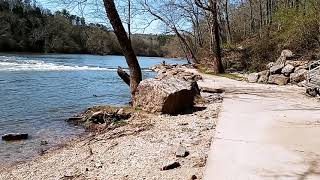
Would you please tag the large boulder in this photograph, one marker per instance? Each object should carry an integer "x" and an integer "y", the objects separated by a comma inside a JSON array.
[
  {"x": 168, "y": 95},
  {"x": 298, "y": 76},
  {"x": 276, "y": 69},
  {"x": 253, "y": 77},
  {"x": 264, "y": 76},
  {"x": 287, "y": 69},
  {"x": 278, "y": 79}
]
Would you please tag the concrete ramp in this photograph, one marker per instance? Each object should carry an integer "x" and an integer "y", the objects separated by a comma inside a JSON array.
[{"x": 265, "y": 132}]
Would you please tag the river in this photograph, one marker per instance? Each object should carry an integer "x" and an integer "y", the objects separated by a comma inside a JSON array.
[{"x": 38, "y": 92}]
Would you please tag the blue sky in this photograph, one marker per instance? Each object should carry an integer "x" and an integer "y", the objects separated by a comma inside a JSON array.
[{"x": 93, "y": 11}]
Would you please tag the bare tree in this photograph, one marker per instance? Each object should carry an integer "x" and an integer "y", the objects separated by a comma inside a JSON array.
[
  {"x": 165, "y": 18},
  {"x": 211, "y": 7},
  {"x": 125, "y": 43},
  {"x": 229, "y": 36}
]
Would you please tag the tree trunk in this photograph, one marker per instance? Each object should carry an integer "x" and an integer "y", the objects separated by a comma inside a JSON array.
[
  {"x": 218, "y": 57},
  {"x": 251, "y": 17},
  {"x": 229, "y": 39},
  {"x": 129, "y": 19},
  {"x": 125, "y": 44},
  {"x": 261, "y": 18}
]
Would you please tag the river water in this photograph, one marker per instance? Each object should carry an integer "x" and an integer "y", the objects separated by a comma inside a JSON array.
[{"x": 38, "y": 92}]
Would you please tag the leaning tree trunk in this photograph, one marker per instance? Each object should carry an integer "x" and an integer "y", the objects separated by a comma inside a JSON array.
[{"x": 125, "y": 44}]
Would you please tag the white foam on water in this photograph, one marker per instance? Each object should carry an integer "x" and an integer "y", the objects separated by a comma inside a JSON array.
[{"x": 7, "y": 64}]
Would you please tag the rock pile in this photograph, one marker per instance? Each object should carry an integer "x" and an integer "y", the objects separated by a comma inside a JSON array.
[
  {"x": 100, "y": 117},
  {"x": 285, "y": 70}
]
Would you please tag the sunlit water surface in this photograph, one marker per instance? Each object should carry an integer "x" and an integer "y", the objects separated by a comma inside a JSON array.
[{"x": 38, "y": 92}]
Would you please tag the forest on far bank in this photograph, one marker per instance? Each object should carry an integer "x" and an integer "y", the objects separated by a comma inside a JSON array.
[
  {"x": 236, "y": 35},
  {"x": 26, "y": 27}
]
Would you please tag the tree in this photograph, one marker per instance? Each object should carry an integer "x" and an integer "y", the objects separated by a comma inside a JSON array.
[
  {"x": 125, "y": 43},
  {"x": 211, "y": 7}
]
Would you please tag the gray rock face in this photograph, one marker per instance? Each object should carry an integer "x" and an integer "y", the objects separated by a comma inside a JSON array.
[
  {"x": 286, "y": 70},
  {"x": 278, "y": 79},
  {"x": 168, "y": 95},
  {"x": 276, "y": 69},
  {"x": 298, "y": 76},
  {"x": 253, "y": 77}
]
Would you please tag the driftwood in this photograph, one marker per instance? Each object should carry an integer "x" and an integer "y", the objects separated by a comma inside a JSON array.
[{"x": 123, "y": 75}]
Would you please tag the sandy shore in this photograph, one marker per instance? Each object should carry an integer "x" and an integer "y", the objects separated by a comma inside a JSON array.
[{"x": 137, "y": 150}]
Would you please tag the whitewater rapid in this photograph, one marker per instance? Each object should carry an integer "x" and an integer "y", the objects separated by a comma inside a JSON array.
[{"x": 9, "y": 64}]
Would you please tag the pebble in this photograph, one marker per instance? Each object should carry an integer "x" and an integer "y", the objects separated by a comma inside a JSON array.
[{"x": 182, "y": 152}]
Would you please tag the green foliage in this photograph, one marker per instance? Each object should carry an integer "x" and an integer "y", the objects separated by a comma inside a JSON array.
[{"x": 298, "y": 30}]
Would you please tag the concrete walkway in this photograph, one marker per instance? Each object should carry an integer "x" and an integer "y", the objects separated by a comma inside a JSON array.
[{"x": 264, "y": 132}]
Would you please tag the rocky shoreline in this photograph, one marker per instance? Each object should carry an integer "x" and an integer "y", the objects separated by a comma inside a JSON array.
[{"x": 128, "y": 143}]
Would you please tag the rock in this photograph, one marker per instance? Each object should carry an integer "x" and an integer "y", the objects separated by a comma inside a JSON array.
[
  {"x": 313, "y": 92},
  {"x": 298, "y": 76},
  {"x": 15, "y": 136},
  {"x": 43, "y": 143},
  {"x": 168, "y": 95},
  {"x": 263, "y": 79},
  {"x": 287, "y": 69},
  {"x": 193, "y": 177},
  {"x": 264, "y": 73},
  {"x": 120, "y": 111},
  {"x": 276, "y": 69},
  {"x": 286, "y": 53},
  {"x": 98, "y": 164},
  {"x": 281, "y": 61},
  {"x": 253, "y": 77},
  {"x": 297, "y": 63},
  {"x": 304, "y": 67},
  {"x": 269, "y": 65},
  {"x": 302, "y": 83},
  {"x": 171, "y": 166},
  {"x": 264, "y": 76},
  {"x": 182, "y": 152},
  {"x": 278, "y": 79}
]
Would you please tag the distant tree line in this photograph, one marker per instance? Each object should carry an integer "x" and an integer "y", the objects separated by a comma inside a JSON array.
[
  {"x": 251, "y": 32},
  {"x": 26, "y": 27}
]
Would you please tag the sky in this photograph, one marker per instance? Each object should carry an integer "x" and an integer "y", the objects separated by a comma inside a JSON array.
[{"x": 93, "y": 12}]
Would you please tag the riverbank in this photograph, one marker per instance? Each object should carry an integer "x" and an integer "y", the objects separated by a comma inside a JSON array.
[
  {"x": 141, "y": 147},
  {"x": 137, "y": 150}
]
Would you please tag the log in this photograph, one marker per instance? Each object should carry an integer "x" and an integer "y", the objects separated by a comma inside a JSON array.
[
  {"x": 123, "y": 75},
  {"x": 15, "y": 136}
]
